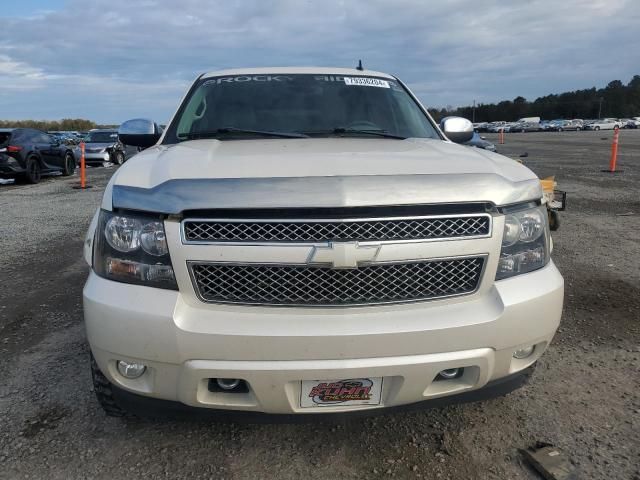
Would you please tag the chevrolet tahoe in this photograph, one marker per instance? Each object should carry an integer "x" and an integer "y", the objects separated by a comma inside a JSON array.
[{"x": 307, "y": 241}]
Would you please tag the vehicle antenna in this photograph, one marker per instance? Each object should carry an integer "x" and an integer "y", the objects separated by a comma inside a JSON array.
[{"x": 359, "y": 67}]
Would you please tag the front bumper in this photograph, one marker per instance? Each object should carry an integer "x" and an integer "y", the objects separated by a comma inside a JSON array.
[
  {"x": 96, "y": 157},
  {"x": 184, "y": 344},
  {"x": 146, "y": 406}
]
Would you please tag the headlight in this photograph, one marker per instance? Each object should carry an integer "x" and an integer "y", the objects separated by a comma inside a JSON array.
[
  {"x": 132, "y": 248},
  {"x": 123, "y": 233},
  {"x": 525, "y": 242}
]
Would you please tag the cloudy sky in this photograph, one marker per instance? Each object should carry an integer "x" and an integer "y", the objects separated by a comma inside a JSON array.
[{"x": 109, "y": 60}]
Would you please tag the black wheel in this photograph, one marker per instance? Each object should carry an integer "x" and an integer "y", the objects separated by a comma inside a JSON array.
[
  {"x": 578, "y": 129},
  {"x": 104, "y": 392},
  {"x": 554, "y": 220},
  {"x": 69, "y": 165},
  {"x": 596, "y": 128},
  {"x": 522, "y": 131},
  {"x": 117, "y": 158},
  {"x": 560, "y": 129},
  {"x": 33, "y": 172}
]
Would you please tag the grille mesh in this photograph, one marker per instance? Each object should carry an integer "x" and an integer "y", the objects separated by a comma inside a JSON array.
[
  {"x": 317, "y": 286},
  {"x": 316, "y": 231}
]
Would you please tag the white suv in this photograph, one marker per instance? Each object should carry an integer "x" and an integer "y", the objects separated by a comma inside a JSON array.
[{"x": 308, "y": 241}]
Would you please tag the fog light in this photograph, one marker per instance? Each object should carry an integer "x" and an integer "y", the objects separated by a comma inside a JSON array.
[
  {"x": 524, "y": 352},
  {"x": 228, "y": 383},
  {"x": 449, "y": 373},
  {"x": 131, "y": 370}
]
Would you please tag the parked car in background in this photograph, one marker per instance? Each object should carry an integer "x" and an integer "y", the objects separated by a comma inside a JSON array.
[
  {"x": 480, "y": 126},
  {"x": 553, "y": 124},
  {"x": 104, "y": 146},
  {"x": 606, "y": 124},
  {"x": 568, "y": 125},
  {"x": 511, "y": 127},
  {"x": 633, "y": 123},
  {"x": 26, "y": 154},
  {"x": 544, "y": 125},
  {"x": 66, "y": 138},
  {"x": 526, "y": 127},
  {"x": 529, "y": 120},
  {"x": 480, "y": 142},
  {"x": 496, "y": 127}
]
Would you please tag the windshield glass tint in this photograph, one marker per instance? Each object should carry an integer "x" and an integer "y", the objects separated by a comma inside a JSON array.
[
  {"x": 315, "y": 105},
  {"x": 102, "y": 137}
]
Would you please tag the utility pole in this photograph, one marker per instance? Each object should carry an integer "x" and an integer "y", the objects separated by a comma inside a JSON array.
[
  {"x": 473, "y": 114},
  {"x": 600, "y": 109}
]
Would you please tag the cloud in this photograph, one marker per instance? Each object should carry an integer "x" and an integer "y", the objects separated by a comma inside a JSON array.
[
  {"x": 113, "y": 59},
  {"x": 16, "y": 75}
]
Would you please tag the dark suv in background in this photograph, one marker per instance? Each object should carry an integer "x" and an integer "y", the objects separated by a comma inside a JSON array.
[
  {"x": 103, "y": 146},
  {"x": 26, "y": 154}
]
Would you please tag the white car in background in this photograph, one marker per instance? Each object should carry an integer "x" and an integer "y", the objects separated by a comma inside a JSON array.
[
  {"x": 606, "y": 124},
  {"x": 496, "y": 127}
]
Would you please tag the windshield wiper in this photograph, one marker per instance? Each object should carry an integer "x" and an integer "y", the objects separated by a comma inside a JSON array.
[
  {"x": 225, "y": 130},
  {"x": 357, "y": 131}
]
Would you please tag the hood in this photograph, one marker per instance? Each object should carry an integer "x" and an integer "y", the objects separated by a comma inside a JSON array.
[{"x": 300, "y": 170}]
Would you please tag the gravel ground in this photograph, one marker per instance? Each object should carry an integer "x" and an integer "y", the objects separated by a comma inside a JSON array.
[{"x": 583, "y": 398}]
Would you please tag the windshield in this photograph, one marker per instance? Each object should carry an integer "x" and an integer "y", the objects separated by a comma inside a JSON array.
[
  {"x": 241, "y": 107},
  {"x": 102, "y": 137}
]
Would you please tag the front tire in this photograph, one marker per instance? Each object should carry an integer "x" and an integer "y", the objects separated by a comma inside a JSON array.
[
  {"x": 104, "y": 392},
  {"x": 554, "y": 220},
  {"x": 118, "y": 158},
  {"x": 69, "y": 165},
  {"x": 596, "y": 128}
]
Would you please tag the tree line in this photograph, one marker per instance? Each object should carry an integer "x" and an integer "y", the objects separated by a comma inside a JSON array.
[
  {"x": 66, "y": 124},
  {"x": 616, "y": 100}
]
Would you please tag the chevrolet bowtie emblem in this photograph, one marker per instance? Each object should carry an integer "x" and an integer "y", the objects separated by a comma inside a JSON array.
[{"x": 344, "y": 254}]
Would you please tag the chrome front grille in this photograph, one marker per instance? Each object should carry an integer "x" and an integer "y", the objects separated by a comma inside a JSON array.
[
  {"x": 322, "y": 286},
  {"x": 362, "y": 230}
]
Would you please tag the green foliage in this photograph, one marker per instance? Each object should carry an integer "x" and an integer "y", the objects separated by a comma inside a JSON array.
[
  {"x": 72, "y": 124},
  {"x": 616, "y": 99}
]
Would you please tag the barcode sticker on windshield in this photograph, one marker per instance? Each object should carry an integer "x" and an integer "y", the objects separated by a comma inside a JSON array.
[{"x": 366, "y": 82}]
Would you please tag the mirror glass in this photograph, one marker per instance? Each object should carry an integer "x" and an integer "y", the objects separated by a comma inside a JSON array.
[
  {"x": 139, "y": 132},
  {"x": 457, "y": 129}
]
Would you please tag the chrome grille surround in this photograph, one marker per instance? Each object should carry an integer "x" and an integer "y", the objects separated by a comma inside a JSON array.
[
  {"x": 423, "y": 228},
  {"x": 318, "y": 286}
]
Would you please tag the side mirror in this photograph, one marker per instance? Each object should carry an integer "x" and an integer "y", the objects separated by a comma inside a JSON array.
[
  {"x": 139, "y": 132},
  {"x": 457, "y": 129}
]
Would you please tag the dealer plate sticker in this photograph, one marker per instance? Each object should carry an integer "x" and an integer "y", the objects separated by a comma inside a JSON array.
[
  {"x": 366, "y": 82},
  {"x": 341, "y": 393}
]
